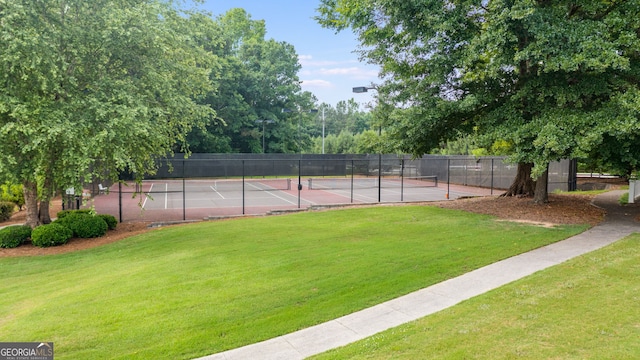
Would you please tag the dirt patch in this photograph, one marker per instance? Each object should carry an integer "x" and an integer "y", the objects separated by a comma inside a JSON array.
[
  {"x": 561, "y": 209},
  {"x": 535, "y": 223},
  {"x": 123, "y": 230}
]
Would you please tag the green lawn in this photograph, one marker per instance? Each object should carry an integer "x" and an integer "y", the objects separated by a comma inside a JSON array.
[
  {"x": 587, "y": 308},
  {"x": 188, "y": 291}
]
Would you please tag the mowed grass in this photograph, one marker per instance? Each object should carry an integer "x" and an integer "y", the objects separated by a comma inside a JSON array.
[
  {"x": 587, "y": 308},
  {"x": 187, "y": 291}
]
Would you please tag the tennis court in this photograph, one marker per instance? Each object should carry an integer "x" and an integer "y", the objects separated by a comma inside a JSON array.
[
  {"x": 196, "y": 199},
  {"x": 220, "y": 185}
]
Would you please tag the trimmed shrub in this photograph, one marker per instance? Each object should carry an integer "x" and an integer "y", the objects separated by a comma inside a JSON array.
[
  {"x": 111, "y": 221},
  {"x": 62, "y": 214},
  {"x": 90, "y": 227},
  {"x": 84, "y": 225},
  {"x": 13, "y": 236},
  {"x": 64, "y": 221},
  {"x": 6, "y": 210},
  {"x": 69, "y": 219},
  {"x": 50, "y": 235}
]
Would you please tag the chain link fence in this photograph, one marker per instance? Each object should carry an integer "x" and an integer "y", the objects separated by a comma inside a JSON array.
[{"x": 220, "y": 185}]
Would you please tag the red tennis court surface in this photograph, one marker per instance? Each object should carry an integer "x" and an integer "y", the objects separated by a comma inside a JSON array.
[{"x": 178, "y": 200}]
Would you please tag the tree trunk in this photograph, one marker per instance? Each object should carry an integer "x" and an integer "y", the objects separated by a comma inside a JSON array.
[
  {"x": 43, "y": 212},
  {"x": 47, "y": 194},
  {"x": 31, "y": 203},
  {"x": 541, "y": 194},
  {"x": 522, "y": 185}
]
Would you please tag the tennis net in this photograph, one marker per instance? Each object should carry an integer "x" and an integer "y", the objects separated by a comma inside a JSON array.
[
  {"x": 371, "y": 182},
  {"x": 279, "y": 184}
]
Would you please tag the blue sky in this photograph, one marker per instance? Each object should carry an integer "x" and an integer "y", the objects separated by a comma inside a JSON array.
[{"x": 330, "y": 68}]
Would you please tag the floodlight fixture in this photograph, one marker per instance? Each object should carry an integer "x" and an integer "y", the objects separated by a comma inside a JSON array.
[{"x": 360, "y": 89}]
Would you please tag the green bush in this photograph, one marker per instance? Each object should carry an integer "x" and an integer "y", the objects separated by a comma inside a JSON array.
[
  {"x": 12, "y": 193},
  {"x": 50, "y": 235},
  {"x": 90, "y": 227},
  {"x": 111, "y": 221},
  {"x": 13, "y": 236},
  {"x": 83, "y": 225},
  {"x": 69, "y": 218},
  {"x": 6, "y": 210},
  {"x": 62, "y": 214}
]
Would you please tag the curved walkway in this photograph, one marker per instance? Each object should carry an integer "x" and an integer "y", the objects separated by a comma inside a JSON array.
[{"x": 618, "y": 223}]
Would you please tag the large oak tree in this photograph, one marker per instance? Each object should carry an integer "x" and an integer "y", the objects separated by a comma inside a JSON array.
[
  {"x": 556, "y": 79},
  {"x": 91, "y": 88}
]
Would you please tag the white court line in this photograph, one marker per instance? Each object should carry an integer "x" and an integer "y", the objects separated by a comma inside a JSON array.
[
  {"x": 342, "y": 193},
  {"x": 356, "y": 195},
  {"x": 216, "y": 191},
  {"x": 146, "y": 196},
  {"x": 274, "y": 195}
]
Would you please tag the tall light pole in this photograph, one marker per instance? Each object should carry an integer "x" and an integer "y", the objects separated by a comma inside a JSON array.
[
  {"x": 299, "y": 147},
  {"x": 323, "y": 130},
  {"x": 311, "y": 111},
  {"x": 263, "y": 121},
  {"x": 360, "y": 90}
]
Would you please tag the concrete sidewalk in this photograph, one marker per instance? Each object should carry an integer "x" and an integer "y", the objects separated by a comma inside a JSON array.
[{"x": 347, "y": 329}]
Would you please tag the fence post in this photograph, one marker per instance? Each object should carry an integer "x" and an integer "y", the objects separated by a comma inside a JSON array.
[
  {"x": 242, "y": 187},
  {"x": 492, "y": 176},
  {"x": 352, "y": 165},
  {"x": 448, "y": 177},
  {"x": 299, "y": 180},
  {"x": 184, "y": 193},
  {"x": 380, "y": 176},
  {"x": 402, "y": 180},
  {"x": 120, "y": 200}
]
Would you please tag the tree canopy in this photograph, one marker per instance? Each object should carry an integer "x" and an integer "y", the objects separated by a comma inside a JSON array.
[
  {"x": 555, "y": 79},
  {"x": 258, "y": 78},
  {"x": 94, "y": 88}
]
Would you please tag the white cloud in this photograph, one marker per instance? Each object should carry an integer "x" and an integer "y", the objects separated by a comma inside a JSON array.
[
  {"x": 343, "y": 68},
  {"x": 350, "y": 71},
  {"x": 332, "y": 81},
  {"x": 308, "y": 60},
  {"x": 339, "y": 71},
  {"x": 317, "y": 83},
  {"x": 357, "y": 73}
]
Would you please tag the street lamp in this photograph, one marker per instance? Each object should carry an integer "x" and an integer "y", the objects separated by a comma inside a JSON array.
[
  {"x": 363, "y": 89},
  {"x": 360, "y": 90},
  {"x": 263, "y": 121}
]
